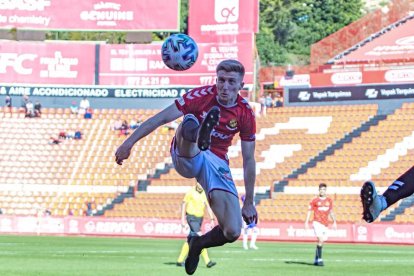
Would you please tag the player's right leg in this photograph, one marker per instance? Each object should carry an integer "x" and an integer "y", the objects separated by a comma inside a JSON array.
[
  {"x": 372, "y": 203},
  {"x": 206, "y": 128}
]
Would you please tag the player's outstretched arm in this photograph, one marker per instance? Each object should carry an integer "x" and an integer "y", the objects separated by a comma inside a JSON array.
[
  {"x": 165, "y": 116},
  {"x": 249, "y": 212}
]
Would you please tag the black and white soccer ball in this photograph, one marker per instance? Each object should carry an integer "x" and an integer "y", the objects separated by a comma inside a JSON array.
[{"x": 179, "y": 52}]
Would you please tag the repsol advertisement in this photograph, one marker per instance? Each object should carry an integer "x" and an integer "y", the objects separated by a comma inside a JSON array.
[
  {"x": 93, "y": 91},
  {"x": 351, "y": 93}
]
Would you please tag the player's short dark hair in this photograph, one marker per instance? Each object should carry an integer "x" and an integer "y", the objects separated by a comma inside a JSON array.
[
  {"x": 231, "y": 65},
  {"x": 322, "y": 185}
]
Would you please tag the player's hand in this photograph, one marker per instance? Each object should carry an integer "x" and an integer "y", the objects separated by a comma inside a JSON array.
[
  {"x": 122, "y": 153},
  {"x": 183, "y": 222},
  {"x": 306, "y": 226},
  {"x": 249, "y": 213},
  {"x": 334, "y": 226}
]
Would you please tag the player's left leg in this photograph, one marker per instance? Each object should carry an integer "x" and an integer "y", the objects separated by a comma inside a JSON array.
[
  {"x": 321, "y": 232},
  {"x": 226, "y": 208},
  {"x": 318, "y": 253}
]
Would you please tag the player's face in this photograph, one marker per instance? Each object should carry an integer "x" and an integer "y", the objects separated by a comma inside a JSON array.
[
  {"x": 228, "y": 86},
  {"x": 322, "y": 191}
]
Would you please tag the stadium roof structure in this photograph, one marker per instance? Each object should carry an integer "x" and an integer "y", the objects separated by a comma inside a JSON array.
[{"x": 396, "y": 45}]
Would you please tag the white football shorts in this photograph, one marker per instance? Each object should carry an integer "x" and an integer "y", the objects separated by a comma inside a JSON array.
[{"x": 212, "y": 172}]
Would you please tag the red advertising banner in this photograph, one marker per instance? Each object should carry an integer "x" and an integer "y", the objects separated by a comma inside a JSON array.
[
  {"x": 362, "y": 77},
  {"x": 346, "y": 78},
  {"x": 51, "y": 63},
  {"x": 222, "y": 21},
  {"x": 141, "y": 64},
  {"x": 396, "y": 44},
  {"x": 169, "y": 228},
  {"x": 127, "y": 15}
]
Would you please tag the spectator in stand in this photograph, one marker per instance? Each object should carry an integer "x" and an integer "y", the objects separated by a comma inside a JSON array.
[
  {"x": 78, "y": 135},
  {"x": 74, "y": 108},
  {"x": 84, "y": 105},
  {"x": 8, "y": 104},
  {"x": 117, "y": 124},
  {"x": 279, "y": 101},
  {"x": 25, "y": 100},
  {"x": 124, "y": 128},
  {"x": 134, "y": 123},
  {"x": 88, "y": 114},
  {"x": 268, "y": 101},
  {"x": 262, "y": 101},
  {"x": 38, "y": 109},
  {"x": 30, "y": 111},
  {"x": 54, "y": 141}
]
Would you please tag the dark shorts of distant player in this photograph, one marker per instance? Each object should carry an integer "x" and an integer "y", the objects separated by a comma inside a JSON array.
[
  {"x": 212, "y": 172},
  {"x": 195, "y": 225}
]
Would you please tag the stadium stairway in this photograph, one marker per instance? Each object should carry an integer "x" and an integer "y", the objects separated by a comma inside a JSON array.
[
  {"x": 118, "y": 200},
  {"x": 280, "y": 185},
  {"x": 404, "y": 205}
]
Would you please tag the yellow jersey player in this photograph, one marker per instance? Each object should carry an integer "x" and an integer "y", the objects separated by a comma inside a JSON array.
[{"x": 192, "y": 211}]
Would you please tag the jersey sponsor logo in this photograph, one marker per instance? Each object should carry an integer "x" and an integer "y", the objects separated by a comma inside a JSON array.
[
  {"x": 323, "y": 208},
  {"x": 232, "y": 125},
  {"x": 219, "y": 135},
  {"x": 225, "y": 173}
]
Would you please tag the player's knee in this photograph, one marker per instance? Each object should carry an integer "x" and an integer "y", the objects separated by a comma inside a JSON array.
[{"x": 232, "y": 234}]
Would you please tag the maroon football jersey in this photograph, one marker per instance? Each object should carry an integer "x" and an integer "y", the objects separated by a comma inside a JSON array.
[{"x": 238, "y": 118}]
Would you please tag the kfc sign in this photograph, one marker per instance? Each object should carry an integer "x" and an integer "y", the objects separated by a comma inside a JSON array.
[
  {"x": 51, "y": 63},
  {"x": 20, "y": 64}
]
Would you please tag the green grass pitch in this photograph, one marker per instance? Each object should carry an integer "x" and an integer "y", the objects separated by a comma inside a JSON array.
[{"x": 32, "y": 255}]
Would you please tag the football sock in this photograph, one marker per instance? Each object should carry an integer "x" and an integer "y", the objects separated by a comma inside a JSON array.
[
  {"x": 245, "y": 237},
  {"x": 213, "y": 238},
  {"x": 400, "y": 188},
  {"x": 318, "y": 254},
  {"x": 184, "y": 252},
  {"x": 204, "y": 254},
  {"x": 254, "y": 237},
  {"x": 190, "y": 128}
]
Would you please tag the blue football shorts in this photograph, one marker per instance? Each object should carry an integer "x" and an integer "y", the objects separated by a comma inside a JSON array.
[{"x": 212, "y": 172}]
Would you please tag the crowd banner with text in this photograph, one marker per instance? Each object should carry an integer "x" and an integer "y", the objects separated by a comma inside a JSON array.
[
  {"x": 171, "y": 228},
  {"x": 130, "y": 65},
  {"x": 141, "y": 64},
  {"x": 91, "y": 15},
  {"x": 93, "y": 91},
  {"x": 351, "y": 93},
  {"x": 223, "y": 21}
]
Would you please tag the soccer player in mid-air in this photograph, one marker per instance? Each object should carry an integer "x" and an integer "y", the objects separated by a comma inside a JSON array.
[
  {"x": 373, "y": 204},
  {"x": 322, "y": 207},
  {"x": 192, "y": 212},
  {"x": 213, "y": 115}
]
